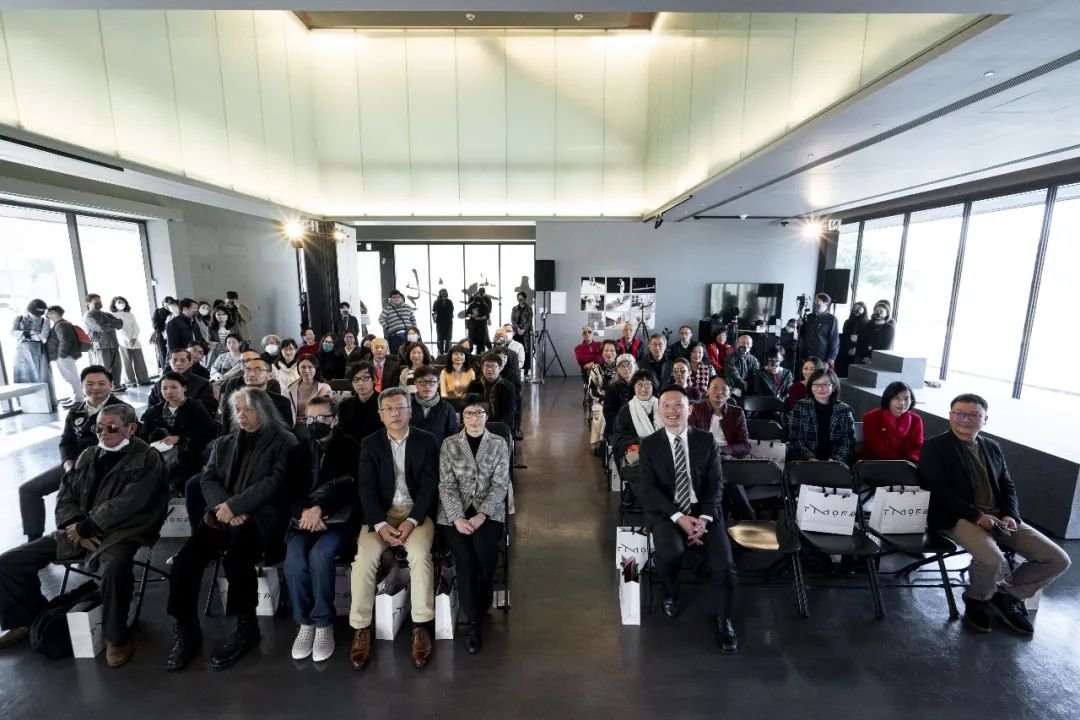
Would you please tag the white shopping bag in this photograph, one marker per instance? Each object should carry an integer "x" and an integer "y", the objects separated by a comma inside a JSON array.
[
  {"x": 342, "y": 589},
  {"x": 1032, "y": 603},
  {"x": 826, "y": 510},
  {"x": 391, "y": 603},
  {"x": 631, "y": 542},
  {"x": 86, "y": 629},
  {"x": 900, "y": 510},
  {"x": 768, "y": 450},
  {"x": 176, "y": 523},
  {"x": 446, "y": 605},
  {"x": 269, "y": 589},
  {"x": 630, "y": 593},
  {"x": 616, "y": 479}
]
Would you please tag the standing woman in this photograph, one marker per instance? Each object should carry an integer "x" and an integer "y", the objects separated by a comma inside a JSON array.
[
  {"x": 878, "y": 334},
  {"x": 202, "y": 323},
  {"x": 474, "y": 477},
  {"x": 849, "y": 337},
  {"x": 822, "y": 427},
  {"x": 893, "y": 431},
  {"x": 801, "y": 389},
  {"x": 220, "y": 328},
  {"x": 442, "y": 312},
  {"x": 30, "y": 331},
  {"x": 130, "y": 347},
  {"x": 700, "y": 371},
  {"x": 308, "y": 386},
  {"x": 284, "y": 368},
  {"x": 331, "y": 361}
]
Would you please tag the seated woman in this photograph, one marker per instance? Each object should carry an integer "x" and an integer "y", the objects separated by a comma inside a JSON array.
[
  {"x": 227, "y": 365},
  {"x": 587, "y": 352},
  {"x": 719, "y": 350},
  {"x": 285, "y": 369},
  {"x": 308, "y": 345},
  {"x": 725, "y": 420},
  {"x": 322, "y": 476},
  {"x": 308, "y": 386},
  {"x": 416, "y": 356},
  {"x": 619, "y": 391},
  {"x": 456, "y": 377},
  {"x": 331, "y": 363},
  {"x": 271, "y": 345},
  {"x": 893, "y": 431},
  {"x": 358, "y": 416},
  {"x": 700, "y": 371},
  {"x": 800, "y": 390},
  {"x": 680, "y": 375},
  {"x": 601, "y": 375},
  {"x": 822, "y": 427},
  {"x": 365, "y": 346},
  {"x": 184, "y": 425},
  {"x": 628, "y": 344},
  {"x": 412, "y": 335},
  {"x": 351, "y": 353},
  {"x": 474, "y": 477},
  {"x": 638, "y": 418},
  {"x": 773, "y": 379}
]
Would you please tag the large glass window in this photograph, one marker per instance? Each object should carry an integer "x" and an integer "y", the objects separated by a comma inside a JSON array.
[
  {"x": 999, "y": 258},
  {"x": 929, "y": 265},
  {"x": 370, "y": 291},
  {"x": 411, "y": 278},
  {"x": 112, "y": 255},
  {"x": 482, "y": 271},
  {"x": 449, "y": 261},
  {"x": 847, "y": 246},
  {"x": 1052, "y": 353},
  {"x": 880, "y": 260},
  {"x": 517, "y": 276}
]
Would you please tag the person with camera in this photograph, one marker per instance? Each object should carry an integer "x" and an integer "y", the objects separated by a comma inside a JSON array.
[{"x": 477, "y": 318}]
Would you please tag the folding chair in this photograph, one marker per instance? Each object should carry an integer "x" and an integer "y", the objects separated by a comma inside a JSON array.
[
  {"x": 767, "y": 406},
  {"x": 927, "y": 547},
  {"x": 858, "y": 544},
  {"x": 768, "y": 430},
  {"x": 502, "y": 567},
  {"x": 76, "y": 566},
  {"x": 629, "y": 507},
  {"x": 773, "y": 536}
]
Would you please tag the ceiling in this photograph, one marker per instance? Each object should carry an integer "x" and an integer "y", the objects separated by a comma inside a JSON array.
[
  {"x": 347, "y": 20},
  {"x": 584, "y": 6}
]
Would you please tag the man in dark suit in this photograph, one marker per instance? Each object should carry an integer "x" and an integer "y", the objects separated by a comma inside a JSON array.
[
  {"x": 496, "y": 390},
  {"x": 387, "y": 370},
  {"x": 973, "y": 501},
  {"x": 198, "y": 389},
  {"x": 345, "y": 323},
  {"x": 679, "y": 488},
  {"x": 656, "y": 361},
  {"x": 398, "y": 487},
  {"x": 180, "y": 331}
]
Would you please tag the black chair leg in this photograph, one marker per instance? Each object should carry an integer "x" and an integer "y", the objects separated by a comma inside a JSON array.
[
  {"x": 946, "y": 583},
  {"x": 67, "y": 574},
  {"x": 800, "y": 586},
  {"x": 875, "y": 588},
  {"x": 213, "y": 582},
  {"x": 140, "y": 591}
]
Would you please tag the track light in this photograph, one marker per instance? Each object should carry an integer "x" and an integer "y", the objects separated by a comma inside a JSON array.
[{"x": 659, "y": 221}]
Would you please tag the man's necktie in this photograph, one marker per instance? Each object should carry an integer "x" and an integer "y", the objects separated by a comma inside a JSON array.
[{"x": 682, "y": 479}]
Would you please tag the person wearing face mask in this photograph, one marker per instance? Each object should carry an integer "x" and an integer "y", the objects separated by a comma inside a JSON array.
[
  {"x": 240, "y": 312},
  {"x": 203, "y": 317},
  {"x": 271, "y": 345},
  {"x": 221, "y": 326},
  {"x": 365, "y": 346},
  {"x": 429, "y": 411},
  {"x": 442, "y": 312},
  {"x": 820, "y": 333},
  {"x": 346, "y": 322},
  {"x": 331, "y": 361},
  {"x": 62, "y": 347},
  {"x": 106, "y": 348},
  {"x": 477, "y": 319},
  {"x": 822, "y": 427},
  {"x": 681, "y": 348},
  {"x": 412, "y": 335},
  {"x": 878, "y": 334},
  {"x": 358, "y": 416},
  {"x": 323, "y": 520},
  {"x": 395, "y": 318},
  {"x": 284, "y": 368},
  {"x": 112, "y": 502},
  {"x": 180, "y": 329},
  {"x": 893, "y": 431},
  {"x": 741, "y": 367},
  {"x": 849, "y": 338},
  {"x": 185, "y": 426},
  {"x": 773, "y": 379},
  {"x": 169, "y": 309},
  {"x": 78, "y": 434},
  {"x": 130, "y": 347},
  {"x": 31, "y": 330}
]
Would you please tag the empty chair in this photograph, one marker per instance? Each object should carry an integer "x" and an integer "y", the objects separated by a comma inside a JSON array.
[{"x": 760, "y": 429}]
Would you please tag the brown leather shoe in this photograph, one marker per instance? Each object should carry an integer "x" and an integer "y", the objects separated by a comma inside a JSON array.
[
  {"x": 117, "y": 655},
  {"x": 360, "y": 650},
  {"x": 421, "y": 647},
  {"x": 13, "y": 636}
]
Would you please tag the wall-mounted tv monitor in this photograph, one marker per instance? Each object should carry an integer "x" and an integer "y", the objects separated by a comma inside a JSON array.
[{"x": 754, "y": 301}]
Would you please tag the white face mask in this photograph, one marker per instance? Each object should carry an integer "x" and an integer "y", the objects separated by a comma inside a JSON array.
[
  {"x": 118, "y": 448},
  {"x": 412, "y": 337},
  {"x": 272, "y": 349},
  {"x": 121, "y": 306}
]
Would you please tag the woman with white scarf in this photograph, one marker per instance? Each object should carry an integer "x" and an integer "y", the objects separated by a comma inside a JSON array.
[{"x": 639, "y": 418}]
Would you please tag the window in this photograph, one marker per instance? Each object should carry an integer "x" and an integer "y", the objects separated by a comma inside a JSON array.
[
  {"x": 450, "y": 276},
  {"x": 482, "y": 271},
  {"x": 411, "y": 278},
  {"x": 846, "y": 247},
  {"x": 516, "y": 263},
  {"x": 999, "y": 257},
  {"x": 880, "y": 260},
  {"x": 112, "y": 256},
  {"x": 929, "y": 266},
  {"x": 370, "y": 292}
]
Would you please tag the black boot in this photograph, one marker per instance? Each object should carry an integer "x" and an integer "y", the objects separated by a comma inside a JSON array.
[
  {"x": 725, "y": 636},
  {"x": 243, "y": 638},
  {"x": 977, "y": 615},
  {"x": 187, "y": 639},
  {"x": 472, "y": 638}
]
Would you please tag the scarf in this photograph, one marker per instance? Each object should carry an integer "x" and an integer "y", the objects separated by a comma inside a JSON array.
[
  {"x": 427, "y": 404},
  {"x": 640, "y": 412}
]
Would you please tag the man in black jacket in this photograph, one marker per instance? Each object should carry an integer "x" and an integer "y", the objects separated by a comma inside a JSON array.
[
  {"x": 169, "y": 308},
  {"x": 496, "y": 390},
  {"x": 180, "y": 331},
  {"x": 78, "y": 435},
  {"x": 973, "y": 501},
  {"x": 358, "y": 416},
  {"x": 346, "y": 322},
  {"x": 256, "y": 375},
  {"x": 656, "y": 361},
  {"x": 198, "y": 389},
  {"x": 429, "y": 411},
  {"x": 112, "y": 502},
  {"x": 62, "y": 347},
  {"x": 820, "y": 332},
  {"x": 679, "y": 488},
  {"x": 399, "y": 486}
]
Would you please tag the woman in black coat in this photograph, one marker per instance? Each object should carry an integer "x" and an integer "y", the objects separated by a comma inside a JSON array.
[
  {"x": 183, "y": 424},
  {"x": 849, "y": 337},
  {"x": 878, "y": 334}
]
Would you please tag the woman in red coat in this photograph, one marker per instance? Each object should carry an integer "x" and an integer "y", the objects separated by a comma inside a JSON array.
[
  {"x": 719, "y": 350},
  {"x": 893, "y": 431}
]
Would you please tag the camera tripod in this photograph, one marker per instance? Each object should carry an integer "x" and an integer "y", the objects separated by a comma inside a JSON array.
[{"x": 543, "y": 342}]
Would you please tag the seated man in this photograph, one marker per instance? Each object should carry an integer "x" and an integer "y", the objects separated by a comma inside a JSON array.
[
  {"x": 496, "y": 391},
  {"x": 399, "y": 486},
  {"x": 235, "y": 383},
  {"x": 198, "y": 389},
  {"x": 112, "y": 502},
  {"x": 78, "y": 435},
  {"x": 242, "y": 484},
  {"x": 656, "y": 361},
  {"x": 973, "y": 501},
  {"x": 198, "y": 354},
  {"x": 505, "y": 338},
  {"x": 387, "y": 370},
  {"x": 183, "y": 425},
  {"x": 678, "y": 487},
  {"x": 740, "y": 368},
  {"x": 429, "y": 411},
  {"x": 358, "y": 416},
  {"x": 681, "y": 348}
]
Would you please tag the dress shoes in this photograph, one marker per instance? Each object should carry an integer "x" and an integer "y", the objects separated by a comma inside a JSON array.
[
  {"x": 14, "y": 636},
  {"x": 725, "y": 637},
  {"x": 671, "y": 607},
  {"x": 472, "y": 638},
  {"x": 421, "y": 647},
  {"x": 241, "y": 640},
  {"x": 187, "y": 639},
  {"x": 117, "y": 655},
  {"x": 360, "y": 650}
]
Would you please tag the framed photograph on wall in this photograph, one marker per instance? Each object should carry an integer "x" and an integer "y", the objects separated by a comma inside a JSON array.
[
  {"x": 643, "y": 285},
  {"x": 593, "y": 285},
  {"x": 592, "y": 302},
  {"x": 618, "y": 285}
]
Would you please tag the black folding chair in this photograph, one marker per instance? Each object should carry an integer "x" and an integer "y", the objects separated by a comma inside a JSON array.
[
  {"x": 858, "y": 544},
  {"x": 630, "y": 509},
  {"x": 767, "y": 430},
  {"x": 502, "y": 567},
  {"x": 767, "y": 405},
  {"x": 773, "y": 536},
  {"x": 76, "y": 566},
  {"x": 927, "y": 547}
]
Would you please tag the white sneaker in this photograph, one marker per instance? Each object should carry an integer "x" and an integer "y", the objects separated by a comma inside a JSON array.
[
  {"x": 324, "y": 644},
  {"x": 301, "y": 646}
]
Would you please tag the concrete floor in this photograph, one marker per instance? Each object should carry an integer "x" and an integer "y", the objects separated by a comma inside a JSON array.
[{"x": 561, "y": 651}]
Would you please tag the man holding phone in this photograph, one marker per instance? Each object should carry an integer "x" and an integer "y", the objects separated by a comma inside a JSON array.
[{"x": 973, "y": 501}]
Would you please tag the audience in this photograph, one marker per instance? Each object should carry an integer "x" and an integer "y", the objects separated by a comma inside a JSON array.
[
  {"x": 700, "y": 371},
  {"x": 719, "y": 351},
  {"x": 285, "y": 367},
  {"x": 800, "y": 390},
  {"x": 308, "y": 386},
  {"x": 227, "y": 363},
  {"x": 820, "y": 333},
  {"x": 198, "y": 356},
  {"x": 429, "y": 411},
  {"x": 198, "y": 389},
  {"x": 741, "y": 368},
  {"x": 102, "y": 328},
  {"x": 726, "y": 421},
  {"x": 412, "y": 336},
  {"x": 680, "y": 375},
  {"x": 628, "y": 344},
  {"x": 351, "y": 353},
  {"x": 442, "y": 312},
  {"x": 601, "y": 375},
  {"x": 387, "y": 372},
  {"x": 878, "y": 334},
  {"x": 496, "y": 391},
  {"x": 504, "y": 338},
  {"x": 308, "y": 344},
  {"x": 358, "y": 416},
  {"x": 416, "y": 357},
  {"x": 184, "y": 426},
  {"x": 521, "y": 327},
  {"x": 639, "y": 417},
  {"x": 128, "y": 339},
  {"x": 822, "y": 427},
  {"x": 331, "y": 361},
  {"x": 62, "y": 347},
  {"x": 656, "y": 359},
  {"x": 346, "y": 322},
  {"x": 773, "y": 379},
  {"x": 619, "y": 391},
  {"x": 893, "y": 431},
  {"x": 681, "y": 348}
]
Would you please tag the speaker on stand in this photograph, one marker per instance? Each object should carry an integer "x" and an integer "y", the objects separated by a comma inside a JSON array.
[
  {"x": 837, "y": 283},
  {"x": 544, "y": 277}
]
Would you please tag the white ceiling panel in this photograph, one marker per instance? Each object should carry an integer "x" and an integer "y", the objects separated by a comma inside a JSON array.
[
  {"x": 480, "y": 78},
  {"x": 274, "y": 91},
  {"x": 530, "y": 122},
  {"x": 433, "y": 120},
  {"x": 337, "y": 132},
  {"x": 580, "y": 63},
  {"x": 9, "y": 109},
  {"x": 625, "y": 133},
  {"x": 243, "y": 101},
  {"x": 384, "y": 121}
]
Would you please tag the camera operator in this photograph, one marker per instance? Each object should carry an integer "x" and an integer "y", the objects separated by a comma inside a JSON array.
[
  {"x": 820, "y": 332},
  {"x": 477, "y": 318}
]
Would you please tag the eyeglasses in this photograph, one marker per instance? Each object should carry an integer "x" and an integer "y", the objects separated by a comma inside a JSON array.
[
  {"x": 427, "y": 383},
  {"x": 362, "y": 378},
  {"x": 966, "y": 415},
  {"x": 822, "y": 385},
  {"x": 255, "y": 370},
  {"x": 474, "y": 414},
  {"x": 110, "y": 428}
]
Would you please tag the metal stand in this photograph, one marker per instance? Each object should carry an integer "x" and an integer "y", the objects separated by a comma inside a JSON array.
[
  {"x": 540, "y": 356},
  {"x": 642, "y": 330}
]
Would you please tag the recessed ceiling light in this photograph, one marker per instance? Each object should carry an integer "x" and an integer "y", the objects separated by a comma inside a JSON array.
[
  {"x": 877, "y": 124},
  {"x": 470, "y": 16},
  {"x": 989, "y": 74},
  {"x": 578, "y": 17},
  {"x": 743, "y": 216}
]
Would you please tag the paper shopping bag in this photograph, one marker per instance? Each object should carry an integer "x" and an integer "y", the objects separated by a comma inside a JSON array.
[
  {"x": 86, "y": 629},
  {"x": 631, "y": 542},
  {"x": 769, "y": 450},
  {"x": 176, "y": 523},
  {"x": 630, "y": 593},
  {"x": 269, "y": 590},
  {"x": 900, "y": 510},
  {"x": 342, "y": 589},
  {"x": 391, "y": 603},
  {"x": 827, "y": 511},
  {"x": 446, "y": 604},
  {"x": 616, "y": 478}
]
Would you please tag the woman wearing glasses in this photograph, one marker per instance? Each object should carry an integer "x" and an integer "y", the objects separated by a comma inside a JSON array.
[
  {"x": 474, "y": 476},
  {"x": 822, "y": 427}
]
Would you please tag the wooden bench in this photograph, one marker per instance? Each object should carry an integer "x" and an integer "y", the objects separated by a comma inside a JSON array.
[{"x": 33, "y": 397}]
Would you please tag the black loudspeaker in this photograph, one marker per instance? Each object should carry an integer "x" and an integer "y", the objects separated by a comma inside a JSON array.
[
  {"x": 544, "y": 277},
  {"x": 837, "y": 283}
]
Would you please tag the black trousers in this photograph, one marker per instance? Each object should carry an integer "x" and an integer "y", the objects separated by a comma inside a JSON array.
[
  {"x": 194, "y": 501},
  {"x": 478, "y": 336},
  {"x": 32, "y": 500},
  {"x": 20, "y": 587},
  {"x": 475, "y": 558},
  {"x": 670, "y": 542},
  {"x": 526, "y": 342},
  {"x": 443, "y": 335},
  {"x": 242, "y": 547}
]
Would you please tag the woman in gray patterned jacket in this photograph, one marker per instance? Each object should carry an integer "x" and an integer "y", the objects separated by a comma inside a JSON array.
[{"x": 474, "y": 476}]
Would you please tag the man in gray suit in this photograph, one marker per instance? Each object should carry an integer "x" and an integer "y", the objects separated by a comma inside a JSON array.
[{"x": 102, "y": 327}]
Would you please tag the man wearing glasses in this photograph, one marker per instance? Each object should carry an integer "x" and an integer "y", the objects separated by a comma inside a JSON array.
[
  {"x": 429, "y": 411},
  {"x": 973, "y": 501},
  {"x": 398, "y": 486},
  {"x": 112, "y": 501}
]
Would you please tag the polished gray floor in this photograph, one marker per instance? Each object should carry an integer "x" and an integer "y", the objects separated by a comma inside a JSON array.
[{"x": 561, "y": 651}]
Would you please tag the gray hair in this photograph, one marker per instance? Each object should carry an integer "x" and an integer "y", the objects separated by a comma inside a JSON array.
[
  {"x": 260, "y": 402},
  {"x": 392, "y": 393},
  {"x": 266, "y": 340},
  {"x": 122, "y": 412}
]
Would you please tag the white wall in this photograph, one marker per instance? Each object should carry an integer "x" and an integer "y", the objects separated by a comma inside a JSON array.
[{"x": 685, "y": 258}]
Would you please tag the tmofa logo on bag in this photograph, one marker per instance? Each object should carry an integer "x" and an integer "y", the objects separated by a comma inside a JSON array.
[
  {"x": 904, "y": 512},
  {"x": 828, "y": 513}
]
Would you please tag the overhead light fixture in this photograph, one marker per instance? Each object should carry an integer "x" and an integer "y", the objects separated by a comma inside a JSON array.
[
  {"x": 989, "y": 74},
  {"x": 339, "y": 235},
  {"x": 579, "y": 17},
  {"x": 294, "y": 232},
  {"x": 743, "y": 216},
  {"x": 470, "y": 16},
  {"x": 659, "y": 221},
  {"x": 812, "y": 228},
  {"x": 659, "y": 212}
]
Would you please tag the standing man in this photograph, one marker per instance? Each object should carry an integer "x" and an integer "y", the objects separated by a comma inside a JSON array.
[
  {"x": 180, "y": 330},
  {"x": 395, "y": 319},
  {"x": 973, "y": 501},
  {"x": 442, "y": 312},
  {"x": 346, "y": 322},
  {"x": 521, "y": 320},
  {"x": 169, "y": 309},
  {"x": 399, "y": 485},
  {"x": 679, "y": 488},
  {"x": 103, "y": 327},
  {"x": 740, "y": 368},
  {"x": 241, "y": 315},
  {"x": 820, "y": 334},
  {"x": 477, "y": 318},
  {"x": 62, "y": 347}
]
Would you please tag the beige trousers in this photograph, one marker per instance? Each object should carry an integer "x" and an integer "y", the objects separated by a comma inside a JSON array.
[{"x": 370, "y": 547}]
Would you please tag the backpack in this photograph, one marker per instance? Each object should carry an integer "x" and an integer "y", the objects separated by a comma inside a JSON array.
[
  {"x": 84, "y": 340},
  {"x": 49, "y": 632}
]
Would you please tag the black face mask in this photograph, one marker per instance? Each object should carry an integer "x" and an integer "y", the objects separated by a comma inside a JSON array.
[{"x": 319, "y": 431}]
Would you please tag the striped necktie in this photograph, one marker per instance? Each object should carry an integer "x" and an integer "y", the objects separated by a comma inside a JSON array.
[{"x": 682, "y": 479}]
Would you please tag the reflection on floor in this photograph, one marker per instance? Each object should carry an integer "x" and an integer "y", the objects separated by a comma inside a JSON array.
[{"x": 561, "y": 651}]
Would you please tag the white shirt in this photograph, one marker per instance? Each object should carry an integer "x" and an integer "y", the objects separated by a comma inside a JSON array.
[
  {"x": 717, "y": 431},
  {"x": 518, "y": 349},
  {"x": 684, "y": 436},
  {"x": 402, "y": 498}
]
